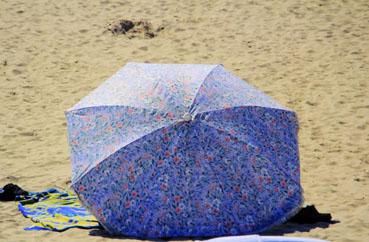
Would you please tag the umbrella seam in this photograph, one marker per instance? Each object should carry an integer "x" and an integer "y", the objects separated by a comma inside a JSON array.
[
  {"x": 291, "y": 213},
  {"x": 215, "y": 173},
  {"x": 243, "y": 106},
  {"x": 89, "y": 170},
  {"x": 103, "y": 84},
  {"x": 74, "y": 112},
  {"x": 201, "y": 84},
  {"x": 242, "y": 141},
  {"x": 220, "y": 65},
  {"x": 107, "y": 106}
]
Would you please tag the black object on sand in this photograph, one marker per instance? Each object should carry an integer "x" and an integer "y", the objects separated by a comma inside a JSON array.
[
  {"x": 310, "y": 215},
  {"x": 10, "y": 192}
]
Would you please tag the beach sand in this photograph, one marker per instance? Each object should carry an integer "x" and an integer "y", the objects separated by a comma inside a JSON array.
[{"x": 312, "y": 56}]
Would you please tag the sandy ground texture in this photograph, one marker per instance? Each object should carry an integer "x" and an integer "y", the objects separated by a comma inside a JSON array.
[{"x": 312, "y": 56}]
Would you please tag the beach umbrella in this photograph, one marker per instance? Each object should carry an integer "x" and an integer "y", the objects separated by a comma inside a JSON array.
[{"x": 167, "y": 150}]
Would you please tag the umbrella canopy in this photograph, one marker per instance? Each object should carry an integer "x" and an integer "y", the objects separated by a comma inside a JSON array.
[{"x": 166, "y": 150}]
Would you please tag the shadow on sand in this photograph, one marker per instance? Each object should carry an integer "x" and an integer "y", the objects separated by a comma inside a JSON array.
[
  {"x": 283, "y": 229},
  {"x": 289, "y": 228}
]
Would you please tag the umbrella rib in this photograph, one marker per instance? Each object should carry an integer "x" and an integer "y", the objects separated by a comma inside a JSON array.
[
  {"x": 201, "y": 84},
  {"x": 242, "y": 106},
  {"x": 135, "y": 140},
  {"x": 291, "y": 213},
  {"x": 221, "y": 130},
  {"x": 244, "y": 142},
  {"x": 106, "y": 83},
  {"x": 109, "y": 106},
  {"x": 214, "y": 172}
]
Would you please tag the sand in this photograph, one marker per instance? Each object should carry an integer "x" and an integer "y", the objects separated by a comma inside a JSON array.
[{"x": 312, "y": 56}]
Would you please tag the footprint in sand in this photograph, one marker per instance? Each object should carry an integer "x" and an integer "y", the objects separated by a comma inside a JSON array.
[{"x": 17, "y": 72}]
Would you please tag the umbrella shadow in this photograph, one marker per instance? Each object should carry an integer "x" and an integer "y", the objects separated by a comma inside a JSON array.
[
  {"x": 288, "y": 228},
  {"x": 103, "y": 233},
  {"x": 280, "y": 230}
]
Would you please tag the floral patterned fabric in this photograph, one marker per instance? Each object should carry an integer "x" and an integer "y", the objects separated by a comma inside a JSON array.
[{"x": 165, "y": 150}]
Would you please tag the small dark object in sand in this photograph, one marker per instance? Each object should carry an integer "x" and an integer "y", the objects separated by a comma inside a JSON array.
[
  {"x": 122, "y": 27},
  {"x": 150, "y": 34},
  {"x": 10, "y": 192},
  {"x": 134, "y": 28},
  {"x": 5, "y": 63},
  {"x": 160, "y": 28}
]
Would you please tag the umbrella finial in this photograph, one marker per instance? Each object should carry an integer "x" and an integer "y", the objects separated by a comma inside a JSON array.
[{"x": 187, "y": 117}]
